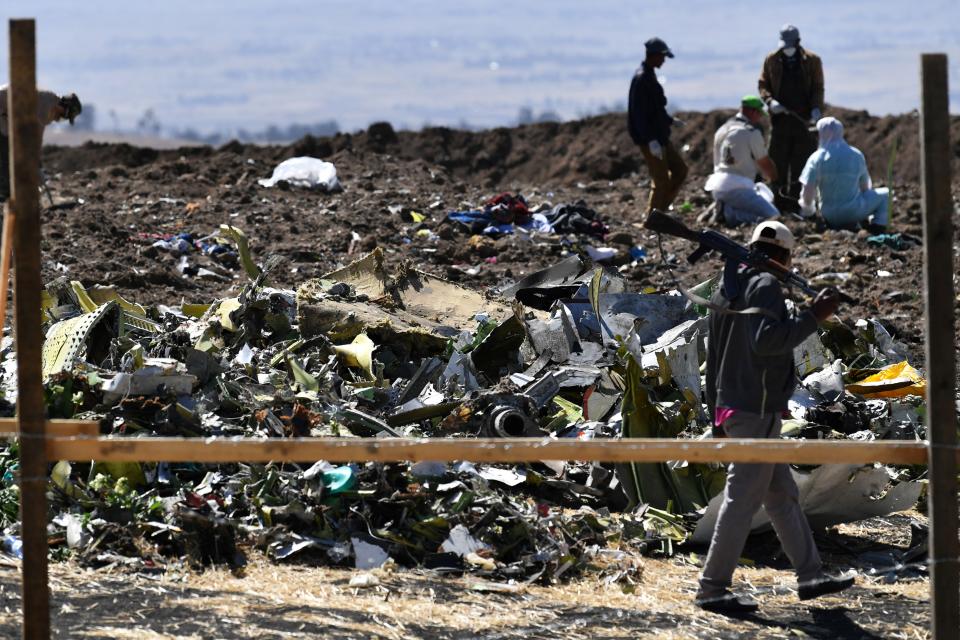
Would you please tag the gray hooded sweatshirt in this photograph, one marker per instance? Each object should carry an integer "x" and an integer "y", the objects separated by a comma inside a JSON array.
[{"x": 750, "y": 356}]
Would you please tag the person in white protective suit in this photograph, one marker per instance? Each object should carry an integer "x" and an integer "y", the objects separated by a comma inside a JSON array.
[{"x": 837, "y": 172}]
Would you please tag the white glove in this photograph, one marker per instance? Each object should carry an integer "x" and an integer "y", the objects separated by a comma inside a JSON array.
[
  {"x": 677, "y": 122},
  {"x": 655, "y": 149},
  {"x": 815, "y": 114},
  {"x": 776, "y": 107}
]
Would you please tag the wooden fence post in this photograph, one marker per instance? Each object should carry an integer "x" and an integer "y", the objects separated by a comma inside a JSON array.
[
  {"x": 938, "y": 287},
  {"x": 25, "y": 140}
]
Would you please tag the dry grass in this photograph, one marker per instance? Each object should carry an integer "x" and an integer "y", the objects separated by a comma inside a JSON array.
[{"x": 293, "y": 601}]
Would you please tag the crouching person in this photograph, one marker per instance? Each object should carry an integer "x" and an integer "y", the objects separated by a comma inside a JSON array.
[
  {"x": 739, "y": 154},
  {"x": 750, "y": 378},
  {"x": 837, "y": 172}
]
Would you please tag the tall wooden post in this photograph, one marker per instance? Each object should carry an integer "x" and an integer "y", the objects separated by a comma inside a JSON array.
[
  {"x": 938, "y": 285},
  {"x": 25, "y": 140}
]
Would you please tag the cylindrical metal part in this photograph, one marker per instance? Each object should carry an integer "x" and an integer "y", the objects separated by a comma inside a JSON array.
[{"x": 508, "y": 422}]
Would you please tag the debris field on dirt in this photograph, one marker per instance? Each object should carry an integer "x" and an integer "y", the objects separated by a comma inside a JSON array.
[{"x": 215, "y": 293}]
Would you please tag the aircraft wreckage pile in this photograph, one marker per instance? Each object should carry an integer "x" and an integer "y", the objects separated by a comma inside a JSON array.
[{"x": 564, "y": 353}]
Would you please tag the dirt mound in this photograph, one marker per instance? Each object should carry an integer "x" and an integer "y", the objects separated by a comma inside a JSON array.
[
  {"x": 98, "y": 154},
  {"x": 599, "y": 148},
  {"x": 596, "y": 148}
]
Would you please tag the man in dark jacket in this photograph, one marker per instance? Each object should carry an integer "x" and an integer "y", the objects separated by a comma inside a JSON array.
[
  {"x": 750, "y": 378},
  {"x": 649, "y": 125},
  {"x": 791, "y": 83}
]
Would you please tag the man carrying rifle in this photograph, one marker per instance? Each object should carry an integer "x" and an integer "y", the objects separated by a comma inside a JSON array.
[{"x": 750, "y": 378}]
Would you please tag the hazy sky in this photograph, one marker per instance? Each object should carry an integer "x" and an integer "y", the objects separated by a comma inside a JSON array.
[{"x": 218, "y": 66}]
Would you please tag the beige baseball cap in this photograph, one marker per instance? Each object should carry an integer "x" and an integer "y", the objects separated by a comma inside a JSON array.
[{"x": 775, "y": 233}]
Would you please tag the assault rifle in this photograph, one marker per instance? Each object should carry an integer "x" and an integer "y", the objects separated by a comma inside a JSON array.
[{"x": 733, "y": 253}]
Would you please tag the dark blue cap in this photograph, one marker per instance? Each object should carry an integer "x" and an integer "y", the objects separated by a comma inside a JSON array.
[
  {"x": 789, "y": 35},
  {"x": 656, "y": 45}
]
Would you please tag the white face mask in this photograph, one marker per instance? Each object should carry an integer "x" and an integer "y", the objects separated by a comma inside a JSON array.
[{"x": 789, "y": 51}]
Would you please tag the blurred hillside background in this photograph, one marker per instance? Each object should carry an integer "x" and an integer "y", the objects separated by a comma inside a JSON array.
[{"x": 211, "y": 71}]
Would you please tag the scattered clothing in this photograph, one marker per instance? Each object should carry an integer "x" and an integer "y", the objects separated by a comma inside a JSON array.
[
  {"x": 474, "y": 221},
  {"x": 897, "y": 241},
  {"x": 838, "y": 173},
  {"x": 601, "y": 254},
  {"x": 507, "y": 208},
  {"x": 495, "y": 218},
  {"x": 183, "y": 243},
  {"x": 576, "y": 218}
]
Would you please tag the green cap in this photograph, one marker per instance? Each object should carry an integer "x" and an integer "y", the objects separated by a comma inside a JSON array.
[{"x": 752, "y": 101}]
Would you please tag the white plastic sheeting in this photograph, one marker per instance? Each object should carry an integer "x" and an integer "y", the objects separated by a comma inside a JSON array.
[{"x": 304, "y": 171}]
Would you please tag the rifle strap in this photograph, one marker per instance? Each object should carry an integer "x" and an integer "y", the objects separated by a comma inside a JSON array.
[{"x": 703, "y": 302}]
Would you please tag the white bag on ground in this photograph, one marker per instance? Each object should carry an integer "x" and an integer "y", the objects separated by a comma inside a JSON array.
[{"x": 305, "y": 171}]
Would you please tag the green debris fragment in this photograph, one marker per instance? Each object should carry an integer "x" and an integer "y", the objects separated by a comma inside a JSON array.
[
  {"x": 302, "y": 377},
  {"x": 656, "y": 484},
  {"x": 243, "y": 249},
  {"x": 226, "y": 314},
  {"x": 131, "y": 472}
]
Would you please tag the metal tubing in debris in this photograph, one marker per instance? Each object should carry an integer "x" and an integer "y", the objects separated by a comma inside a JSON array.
[
  {"x": 215, "y": 450},
  {"x": 25, "y": 137},
  {"x": 939, "y": 319},
  {"x": 10, "y": 427}
]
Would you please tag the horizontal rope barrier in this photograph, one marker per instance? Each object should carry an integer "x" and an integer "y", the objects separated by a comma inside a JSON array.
[{"x": 245, "y": 449}]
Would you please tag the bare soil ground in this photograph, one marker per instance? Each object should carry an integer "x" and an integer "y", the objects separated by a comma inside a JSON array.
[
  {"x": 296, "y": 601},
  {"x": 113, "y": 199}
]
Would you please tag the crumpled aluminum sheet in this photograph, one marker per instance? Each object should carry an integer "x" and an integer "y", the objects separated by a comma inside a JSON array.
[{"x": 831, "y": 494}]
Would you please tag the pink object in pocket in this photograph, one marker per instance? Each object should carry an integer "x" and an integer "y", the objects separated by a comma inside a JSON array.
[{"x": 722, "y": 414}]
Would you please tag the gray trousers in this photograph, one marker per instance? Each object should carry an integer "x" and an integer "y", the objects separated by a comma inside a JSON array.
[{"x": 748, "y": 487}]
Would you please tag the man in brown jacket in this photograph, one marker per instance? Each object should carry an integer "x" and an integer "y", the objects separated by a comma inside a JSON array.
[
  {"x": 50, "y": 108},
  {"x": 791, "y": 83}
]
